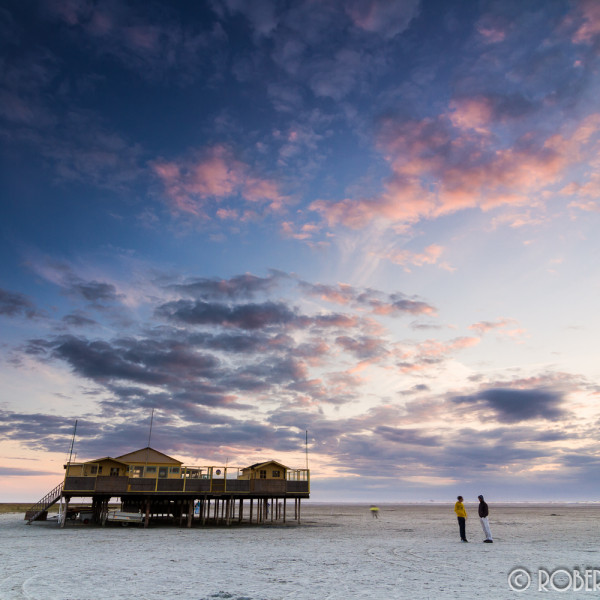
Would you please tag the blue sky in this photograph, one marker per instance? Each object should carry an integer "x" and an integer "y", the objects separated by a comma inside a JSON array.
[{"x": 372, "y": 221}]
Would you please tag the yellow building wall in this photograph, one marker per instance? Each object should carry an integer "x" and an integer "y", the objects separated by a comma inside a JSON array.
[
  {"x": 152, "y": 470},
  {"x": 106, "y": 465},
  {"x": 86, "y": 469},
  {"x": 268, "y": 467}
]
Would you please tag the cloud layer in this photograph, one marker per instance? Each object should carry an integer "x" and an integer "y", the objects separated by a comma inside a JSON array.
[
  {"x": 225, "y": 366},
  {"x": 372, "y": 220}
]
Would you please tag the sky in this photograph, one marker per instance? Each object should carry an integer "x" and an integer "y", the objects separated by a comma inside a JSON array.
[{"x": 368, "y": 224}]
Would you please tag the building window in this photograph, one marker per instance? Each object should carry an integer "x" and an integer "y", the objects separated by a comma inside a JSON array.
[
  {"x": 150, "y": 470},
  {"x": 114, "y": 471},
  {"x": 276, "y": 474},
  {"x": 136, "y": 472},
  {"x": 100, "y": 470},
  {"x": 262, "y": 474},
  {"x": 174, "y": 470},
  {"x": 94, "y": 469}
]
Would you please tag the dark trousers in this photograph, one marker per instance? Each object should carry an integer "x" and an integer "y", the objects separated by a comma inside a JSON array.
[{"x": 461, "y": 526}]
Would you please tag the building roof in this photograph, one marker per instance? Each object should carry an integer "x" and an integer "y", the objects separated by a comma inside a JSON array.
[
  {"x": 266, "y": 462},
  {"x": 115, "y": 460},
  {"x": 149, "y": 455}
]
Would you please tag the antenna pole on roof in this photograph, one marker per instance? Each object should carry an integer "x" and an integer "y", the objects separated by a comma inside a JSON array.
[
  {"x": 149, "y": 435},
  {"x": 306, "y": 443},
  {"x": 72, "y": 442}
]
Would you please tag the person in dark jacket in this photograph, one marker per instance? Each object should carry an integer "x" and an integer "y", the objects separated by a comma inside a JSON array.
[{"x": 484, "y": 511}]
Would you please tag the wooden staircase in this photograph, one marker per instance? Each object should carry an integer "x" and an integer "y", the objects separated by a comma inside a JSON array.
[{"x": 40, "y": 509}]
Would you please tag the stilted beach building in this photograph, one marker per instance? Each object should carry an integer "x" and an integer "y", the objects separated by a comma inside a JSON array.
[{"x": 161, "y": 488}]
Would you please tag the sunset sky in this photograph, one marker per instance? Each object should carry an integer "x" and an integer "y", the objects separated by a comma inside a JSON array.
[{"x": 375, "y": 221}]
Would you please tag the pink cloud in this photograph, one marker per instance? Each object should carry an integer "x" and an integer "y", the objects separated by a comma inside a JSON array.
[
  {"x": 429, "y": 256},
  {"x": 341, "y": 321},
  {"x": 368, "y": 351},
  {"x": 381, "y": 16},
  {"x": 591, "y": 23},
  {"x": 505, "y": 327},
  {"x": 315, "y": 354},
  {"x": 261, "y": 190},
  {"x": 344, "y": 384},
  {"x": 371, "y": 300},
  {"x": 193, "y": 183},
  {"x": 215, "y": 175},
  {"x": 432, "y": 348},
  {"x": 431, "y": 353},
  {"x": 304, "y": 232},
  {"x": 403, "y": 202},
  {"x": 491, "y": 34},
  {"x": 451, "y": 163},
  {"x": 228, "y": 214},
  {"x": 507, "y": 178},
  {"x": 472, "y": 113},
  {"x": 492, "y": 28},
  {"x": 586, "y": 133},
  {"x": 518, "y": 218},
  {"x": 587, "y": 205},
  {"x": 341, "y": 294},
  {"x": 402, "y": 306}
]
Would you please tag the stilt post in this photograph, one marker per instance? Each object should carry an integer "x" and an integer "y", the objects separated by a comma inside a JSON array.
[
  {"x": 190, "y": 512},
  {"x": 63, "y": 517}
]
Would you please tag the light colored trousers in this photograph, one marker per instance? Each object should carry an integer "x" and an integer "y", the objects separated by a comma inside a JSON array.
[{"x": 485, "y": 525}]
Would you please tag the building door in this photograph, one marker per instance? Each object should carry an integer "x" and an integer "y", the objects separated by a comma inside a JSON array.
[{"x": 162, "y": 472}]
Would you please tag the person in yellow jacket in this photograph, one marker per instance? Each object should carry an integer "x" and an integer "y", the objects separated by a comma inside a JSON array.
[{"x": 461, "y": 515}]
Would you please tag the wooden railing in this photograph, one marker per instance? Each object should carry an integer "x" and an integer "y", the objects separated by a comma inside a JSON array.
[
  {"x": 85, "y": 486},
  {"x": 191, "y": 479}
]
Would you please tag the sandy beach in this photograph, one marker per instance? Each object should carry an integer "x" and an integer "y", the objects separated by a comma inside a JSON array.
[{"x": 338, "y": 552}]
